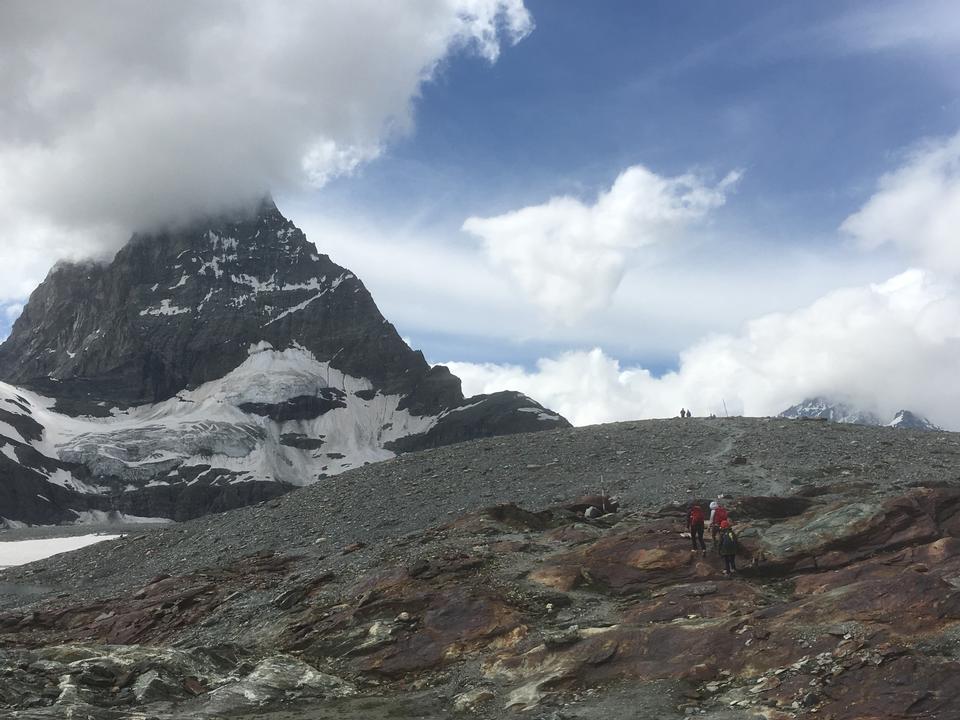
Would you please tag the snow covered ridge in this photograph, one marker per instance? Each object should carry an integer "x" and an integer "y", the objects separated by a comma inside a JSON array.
[
  {"x": 219, "y": 425},
  {"x": 281, "y": 417},
  {"x": 825, "y": 409}
]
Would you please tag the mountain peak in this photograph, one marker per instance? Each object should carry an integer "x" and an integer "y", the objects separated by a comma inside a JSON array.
[
  {"x": 228, "y": 356},
  {"x": 911, "y": 421},
  {"x": 177, "y": 308},
  {"x": 821, "y": 408}
]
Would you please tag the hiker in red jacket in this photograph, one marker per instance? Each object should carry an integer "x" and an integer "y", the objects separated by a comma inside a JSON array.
[
  {"x": 695, "y": 519},
  {"x": 717, "y": 515}
]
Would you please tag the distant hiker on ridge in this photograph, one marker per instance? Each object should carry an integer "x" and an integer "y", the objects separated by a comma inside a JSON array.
[
  {"x": 695, "y": 520},
  {"x": 728, "y": 548},
  {"x": 683, "y": 413}
]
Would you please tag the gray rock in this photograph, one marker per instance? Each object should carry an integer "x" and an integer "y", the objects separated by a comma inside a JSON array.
[{"x": 274, "y": 678}]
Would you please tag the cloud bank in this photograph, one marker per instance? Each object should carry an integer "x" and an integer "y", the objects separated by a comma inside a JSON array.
[
  {"x": 883, "y": 347},
  {"x": 569, "y": 257},
  {"x": 119, "y": 116},
  {"x": 917, "y": 208}
]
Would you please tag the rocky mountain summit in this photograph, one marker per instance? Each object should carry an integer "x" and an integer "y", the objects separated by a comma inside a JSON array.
[
  {"x": 905, "y": 419},
  {"x": 462, "y": 580},
  {"x": 213, "y": 365},
  {"x": 820, "y": 408}
]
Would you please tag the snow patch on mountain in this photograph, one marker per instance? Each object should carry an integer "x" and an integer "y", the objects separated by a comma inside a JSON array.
[
  {"x": 166, "y": 308},
  {"x": 541, "y": 413},
  {"x": 214, "y": 425},
  {"x": 907, "y": 420}
]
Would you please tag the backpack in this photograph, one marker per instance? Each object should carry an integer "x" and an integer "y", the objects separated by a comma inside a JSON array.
[
  {"x": 719, "y": 515},
  {"x": 728, "y": 543},
  {"x": 695, "y": 516}
]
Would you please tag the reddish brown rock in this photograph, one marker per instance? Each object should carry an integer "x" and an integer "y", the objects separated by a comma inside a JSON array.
[
  {"x": 888, "y": 685},
  {"x": 572, "y": 534},
  {"x": 627, "y": 562},
  {"x": 695, "y": 651},
  {"x": 454, "y": 624},
  {"x": 704, "y": 600},
  {"x": 940, "y": 558},
  {"x": 157, "y": 612}
]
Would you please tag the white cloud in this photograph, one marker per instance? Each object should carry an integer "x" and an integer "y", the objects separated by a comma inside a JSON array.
[
  {"x": 883, "y": 347},
  {"x": 118, "y": 116},
  {"x": 917, "y": 208},
  {"x": 713, "y": 287},
  {"x": 569, "y": 257}
]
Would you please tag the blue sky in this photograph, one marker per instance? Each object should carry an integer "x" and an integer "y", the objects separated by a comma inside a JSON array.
[
  {"x": 811, "y": 114},
  {"x": 649, "y": 182},
  {"x": 596, "y": 87}
]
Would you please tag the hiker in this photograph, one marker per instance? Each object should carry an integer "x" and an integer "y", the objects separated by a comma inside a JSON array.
[
  {"x": 683, "y": 412},
  {"x": 717, "y": 515},
  {"x": 728, "y": 548},
  {"x": 695, "y": 520}
]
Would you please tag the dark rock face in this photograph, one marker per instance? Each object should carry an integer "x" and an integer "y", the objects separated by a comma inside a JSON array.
[
  {"x": 299, "y": 440},
  {"x": 502, "y": 413},
  {"x": 178, "y": 308},
  {"x": 26, "y": 495},
  {"x": 301, "y": 407}
]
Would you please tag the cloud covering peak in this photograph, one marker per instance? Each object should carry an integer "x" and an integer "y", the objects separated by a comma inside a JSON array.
[{"x": 119, "y": 116}]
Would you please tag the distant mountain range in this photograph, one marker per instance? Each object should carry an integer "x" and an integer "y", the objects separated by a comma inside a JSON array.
[
  {"x": 820, "y": 408},
  {"x": 214, "y": 366}
]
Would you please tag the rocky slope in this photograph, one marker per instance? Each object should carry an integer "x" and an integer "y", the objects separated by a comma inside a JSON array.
[
  {"x": 212, "y": 366},
  {"x": 456, "y": 580}
]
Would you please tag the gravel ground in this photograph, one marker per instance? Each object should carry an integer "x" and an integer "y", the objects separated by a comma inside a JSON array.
[{"x": 648, "y": 463}]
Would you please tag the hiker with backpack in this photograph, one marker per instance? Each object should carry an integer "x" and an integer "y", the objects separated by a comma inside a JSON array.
[
  {"x": 727, "y": 547},
  {"x": 695, "y": 520},
  {"x": 718, "y": 514}
]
